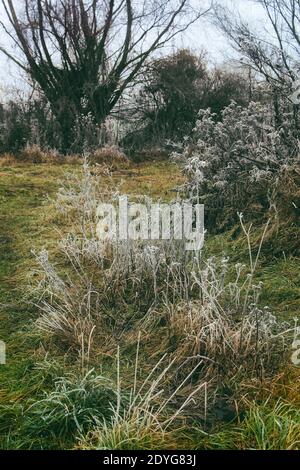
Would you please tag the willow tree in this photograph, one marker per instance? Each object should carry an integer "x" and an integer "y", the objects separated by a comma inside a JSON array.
[{"x": 83, "y": 54}]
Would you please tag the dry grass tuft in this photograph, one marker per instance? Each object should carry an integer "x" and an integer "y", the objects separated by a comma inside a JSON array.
[
  {"x": 111, "y": 156},
  {"x": 7, "y": 160}
]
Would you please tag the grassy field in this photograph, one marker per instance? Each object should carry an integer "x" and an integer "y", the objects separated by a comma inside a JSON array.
[{"x": 29, "y": 222}]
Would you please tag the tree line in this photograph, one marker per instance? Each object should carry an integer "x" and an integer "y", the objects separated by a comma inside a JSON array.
[{"x": 89, "y": 60}]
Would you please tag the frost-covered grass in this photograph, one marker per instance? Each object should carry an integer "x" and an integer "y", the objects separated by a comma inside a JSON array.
[{"x": 182, "y": 386}]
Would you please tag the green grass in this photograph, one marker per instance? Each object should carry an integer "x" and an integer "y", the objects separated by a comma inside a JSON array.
[
  {"x": 264, "y": 427},
  {"x": 280, "y": 275},
  {"x": 24, "y": 224}
]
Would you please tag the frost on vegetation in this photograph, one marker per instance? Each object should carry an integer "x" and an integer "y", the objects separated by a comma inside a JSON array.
[
  {"x": 112, "y": 286},
  {"x": 235, "y": 162}
]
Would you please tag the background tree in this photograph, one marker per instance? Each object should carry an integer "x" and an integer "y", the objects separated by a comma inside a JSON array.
[
  {"x": 225, "y": 86},
  {"x": 173, "y": 93},
  {"x": 175, "y": 88},
  {"x": 84, "y": 54},
  {"x": 274, "y": 55}
]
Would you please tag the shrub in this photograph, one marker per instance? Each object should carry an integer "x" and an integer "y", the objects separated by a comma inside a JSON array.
[
  {"x": 167, "y": 108},
  {"x": 104, "y": 277},
  {"x": 34, "y": 154},
  {"x": 236, "y": 165},
  {"x": 227, "y": 331}
]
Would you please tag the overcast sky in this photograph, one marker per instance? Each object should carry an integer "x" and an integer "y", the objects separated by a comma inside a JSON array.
[
  {"x": 200, "y": 36},
  {"x": 204, "y": 34}
]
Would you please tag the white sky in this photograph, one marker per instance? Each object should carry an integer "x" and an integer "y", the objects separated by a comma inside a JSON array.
[{"x": 200, "y": 36}]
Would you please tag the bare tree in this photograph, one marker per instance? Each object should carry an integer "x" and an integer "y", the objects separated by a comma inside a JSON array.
[
  {"x": 276, "y": 55},
  {"x": 84, "y": 54}
]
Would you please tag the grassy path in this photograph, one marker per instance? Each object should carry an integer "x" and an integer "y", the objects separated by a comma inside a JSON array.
[
  {"x": 24, "y": 218},
  {"x": 23, "y": 225}
]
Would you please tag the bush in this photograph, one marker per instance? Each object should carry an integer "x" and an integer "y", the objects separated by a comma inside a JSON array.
[
  {"x": 34, "y": 154},
  {"x": 27, "y": 121},
  {"x": 236, "y": 165},
  {"x": 7, "y": 160}
]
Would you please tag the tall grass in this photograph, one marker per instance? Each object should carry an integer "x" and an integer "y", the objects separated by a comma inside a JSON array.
[
  {"x": 148, "y": 418},
  {"x": 211, "y": 333}
]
